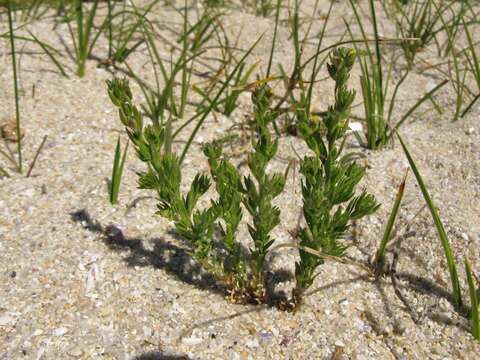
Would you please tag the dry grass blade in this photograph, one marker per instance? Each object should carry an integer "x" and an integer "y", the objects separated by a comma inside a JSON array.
[{"x": 32, "y": 165}]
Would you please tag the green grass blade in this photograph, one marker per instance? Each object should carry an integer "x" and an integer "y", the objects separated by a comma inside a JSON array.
[
  {"x": 425, "y": 97},
  {"x": 467, "y": 109},
  {"x": 272, "y": 50},
  {"x": 379, "y": 256},
  {"x": 117, "y": 171},
  {"x": 474, "y": 302},
  {"x": 476, "y": 61},
  {"x": 110, "y": 30},
  {"x": 378, "y": 54},
  {"x": 215, "y": 100},
  {"x": 4, "y": 172},
  {"x": 452, "y": 268},
  {"x": 15, "y": 86},
  {"x": 49, "y": 54}
]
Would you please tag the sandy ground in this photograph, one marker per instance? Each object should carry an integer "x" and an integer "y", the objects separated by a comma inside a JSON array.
[{"x": 80, "y": 278}]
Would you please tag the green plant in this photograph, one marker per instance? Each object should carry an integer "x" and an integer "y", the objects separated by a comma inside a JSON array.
[
  {"x": 458, "y": 75},
  {"x": 227, "y": 208},
  {"x": 166, "y": 125},
  {"x": 264, "y": 7},
  {"x": 162, "y": 103},
  {"x": 18, "y": 163},
  {"x": 245, "y": 280},
  {"x": 378, "y": 110},
  {"x": 85, "y": 35},
  {"x": 330, "y": 179},
  {"x": 123, "y": 28},
  {"x": 29, "y": 9},
  {"x": 117, "y": 171},
  {"x": 298, "y": 85},
  {"x": 452, "y": 268},
  {"x": 474, "y": 300},
  {"x": 473, "y": 61},
  {"x": 229, "y": 102},
  {"x": 241, "y": 81},
  {"x": 379, "y": 259},
  {"x": 422, "y": 21}
]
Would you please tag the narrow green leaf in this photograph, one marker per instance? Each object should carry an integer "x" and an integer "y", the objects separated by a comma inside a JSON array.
[
  {"x": 379, "y": 256},
  {"x": 117, "y": 171},
  {"x": 474, "y": 302},
  {"x": 452, "y": 268}
]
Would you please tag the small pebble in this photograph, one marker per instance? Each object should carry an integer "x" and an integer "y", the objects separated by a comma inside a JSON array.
[
  {"x": 252, "y": 343},
  {"x": 339, "y": 343},
  {"x": 265, "y": 335},
  {"x": 37, "y": 332},
  {"x": 6, "y": 320},
  {"x": 191, "y": 341},
  {"x": 76, "y": 351},
  {"x": 470, "y": 130},
  {"x": 60, "y": 331},
  {"x": 147, "y": 332}
]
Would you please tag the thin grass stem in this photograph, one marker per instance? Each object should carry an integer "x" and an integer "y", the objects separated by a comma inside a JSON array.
[{"x": 15, "y": 87}]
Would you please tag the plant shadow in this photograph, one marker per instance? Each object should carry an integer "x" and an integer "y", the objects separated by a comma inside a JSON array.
[
  {"x": 164, "y": 254},
  {"x": 173, "y": 258},
  {"x": 156, "y": 355}
]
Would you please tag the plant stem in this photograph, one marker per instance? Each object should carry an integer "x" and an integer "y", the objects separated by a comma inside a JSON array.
[
  {"x": 36, "y": 156},
  {"x": 15, "y": 87}
]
